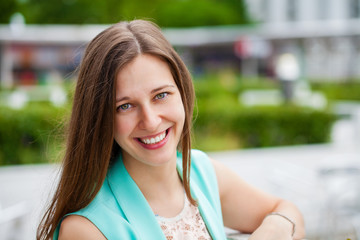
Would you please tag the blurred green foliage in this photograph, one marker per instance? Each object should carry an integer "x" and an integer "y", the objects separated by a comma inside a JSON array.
[
  {"x": 166, "y": 13},
  {"x": 185, "y": 13},
  {"x": 349, "y": 90},
  {"x": 33, "y": 134},
  {"x": 8, "y": 7},
  {"x": 222, "y": 123},
  {"x": 217, "y": 130}
]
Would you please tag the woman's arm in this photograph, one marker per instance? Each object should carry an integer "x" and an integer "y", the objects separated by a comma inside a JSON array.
[
  {"x": 75, "y": 227},
  {"x": 246, "y": 209}
]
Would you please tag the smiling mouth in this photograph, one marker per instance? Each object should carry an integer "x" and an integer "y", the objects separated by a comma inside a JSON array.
[{"x": 155, "y": 139}]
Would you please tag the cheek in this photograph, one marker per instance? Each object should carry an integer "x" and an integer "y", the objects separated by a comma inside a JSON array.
[
  {"x": 179, "y": 117},
  {"x": 178, "y": 113},
  {"x": 122, "y": 129}
]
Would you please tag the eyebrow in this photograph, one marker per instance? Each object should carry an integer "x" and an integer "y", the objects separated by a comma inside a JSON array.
[
  {"x": 152, "y": 91},
  {"x": 162, "y": 87}
]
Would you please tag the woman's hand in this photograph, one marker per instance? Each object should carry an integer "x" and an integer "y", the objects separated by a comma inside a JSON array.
[
  {"x": 246, "y": 208},
  {"x": 273, "y": 227}
]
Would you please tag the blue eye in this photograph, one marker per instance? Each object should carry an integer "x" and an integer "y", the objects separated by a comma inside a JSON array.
[
  {"x": 124, "y": 107},
  {"x": 161, "y": 95}
]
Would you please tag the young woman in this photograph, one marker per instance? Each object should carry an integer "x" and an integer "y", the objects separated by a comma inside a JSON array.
[{"x": 129, "y": 171}]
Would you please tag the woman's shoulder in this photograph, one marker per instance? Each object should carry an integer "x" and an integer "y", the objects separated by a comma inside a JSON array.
[
  {"x": 87, "y": 223},
  {"x": 78, "y": 227},
  {"x": 202, "y": 168},
  {"x": 199, "y": 156},
  {"x": 200, "y": 161}
]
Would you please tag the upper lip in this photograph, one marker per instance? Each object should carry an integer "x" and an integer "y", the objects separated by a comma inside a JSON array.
[{"x": 152, "y": 136}]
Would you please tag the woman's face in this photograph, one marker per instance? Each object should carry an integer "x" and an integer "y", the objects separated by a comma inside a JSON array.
[{"x": 150, "y": 114}]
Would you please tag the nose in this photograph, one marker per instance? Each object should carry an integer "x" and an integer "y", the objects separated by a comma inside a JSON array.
[{"x": 149, "y": 118}]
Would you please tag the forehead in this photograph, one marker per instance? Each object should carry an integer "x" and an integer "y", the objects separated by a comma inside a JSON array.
[{"x": 143, "y": 72}]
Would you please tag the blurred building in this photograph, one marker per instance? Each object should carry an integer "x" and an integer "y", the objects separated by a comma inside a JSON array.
[
  {"x": 280, "y": 11},
  {"x": 33, "y": 55},
  {"x": 322, "y": 34}
]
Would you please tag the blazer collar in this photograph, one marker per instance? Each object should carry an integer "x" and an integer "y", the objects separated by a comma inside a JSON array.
[
  {"x": 138, "y": 212},
  {"x": 133, "y": 203}
]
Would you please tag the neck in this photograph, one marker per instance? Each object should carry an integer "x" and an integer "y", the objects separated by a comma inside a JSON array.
[
  {"x": 160, "y": 185},
  {"x": 155, "y": 182}
]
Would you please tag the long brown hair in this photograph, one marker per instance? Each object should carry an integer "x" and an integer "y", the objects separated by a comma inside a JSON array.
[{"x": 90, "y": 145}]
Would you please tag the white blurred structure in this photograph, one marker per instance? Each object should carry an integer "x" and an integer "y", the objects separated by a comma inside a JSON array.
[
  {"x": 278, "y": 11},
  {"x": 324, "y": 34}
]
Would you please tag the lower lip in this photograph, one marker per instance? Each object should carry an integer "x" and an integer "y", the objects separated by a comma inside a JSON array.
[{"x": 156, "y": 145}]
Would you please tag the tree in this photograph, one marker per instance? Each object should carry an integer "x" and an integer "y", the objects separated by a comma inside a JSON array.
[
  {"x": 8, "y": 8},
  {"x": 166, "y": 13},
  {"x": 187, "y": 13}
]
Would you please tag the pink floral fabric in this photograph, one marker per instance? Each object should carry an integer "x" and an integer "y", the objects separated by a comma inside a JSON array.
[{"x": 188, "y": 225}]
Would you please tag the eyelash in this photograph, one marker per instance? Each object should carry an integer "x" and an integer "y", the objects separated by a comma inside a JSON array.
[
  {"x": 120, "y": 108},
  {"x": 159, "y": 96},
  {"x": 163, "y": 94}
]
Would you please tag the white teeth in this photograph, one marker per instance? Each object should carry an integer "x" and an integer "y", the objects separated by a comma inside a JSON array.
[{"x": 154, "y": 140}]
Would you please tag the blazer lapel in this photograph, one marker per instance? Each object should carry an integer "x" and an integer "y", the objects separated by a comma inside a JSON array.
[
  {"x": 133, "y": 203},
  {"x": 211, "y": 219}
]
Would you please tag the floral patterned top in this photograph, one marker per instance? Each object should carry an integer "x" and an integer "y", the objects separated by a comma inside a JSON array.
[{"x": 187, "y": 225}]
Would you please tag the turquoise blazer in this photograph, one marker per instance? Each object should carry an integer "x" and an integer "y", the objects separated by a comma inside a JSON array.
[{"x": 120, "y": 210}]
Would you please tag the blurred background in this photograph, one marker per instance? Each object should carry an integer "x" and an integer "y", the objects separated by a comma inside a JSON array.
[{"x": 277, "y": 84}]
